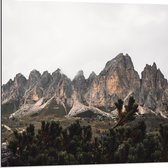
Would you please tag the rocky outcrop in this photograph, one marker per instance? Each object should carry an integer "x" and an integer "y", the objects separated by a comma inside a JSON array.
[
  {"x": 45, "y": 80},
  {"x": 12, "y": 93},
  {"x": 34, "y": 77},
  {"x": 14, "y": 89},
  {"x": 81, "y": 110},
  {"x": 154, "y": 89},
  {"x": 95, "y": 95},
  {"x": 90, "y": 79},
  {"x": 116, "y": 80},
  {"x": 59, "y": 86},
  {"x": 80, "y": 86}
]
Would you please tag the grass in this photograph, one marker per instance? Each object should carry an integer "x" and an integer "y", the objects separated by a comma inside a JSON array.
[{"x": 98, "y": 126}]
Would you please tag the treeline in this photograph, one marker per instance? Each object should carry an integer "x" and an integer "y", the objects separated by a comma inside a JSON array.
[{"x": 55, "y": 145}]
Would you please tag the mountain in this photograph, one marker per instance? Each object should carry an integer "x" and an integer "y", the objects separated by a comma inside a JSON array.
[
  {"x": 116, "y": 80},
  {"x": 154, "y": 89},
  {"x": 56, "y": 94}
]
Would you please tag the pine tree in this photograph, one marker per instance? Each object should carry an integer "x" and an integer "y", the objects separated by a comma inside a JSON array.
[
  {"x": 119, "y": 106},
  {"x": 130, "y": 110}
]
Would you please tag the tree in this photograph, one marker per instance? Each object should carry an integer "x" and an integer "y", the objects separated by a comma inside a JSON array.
[
  {"x": 130, "y": 110},
  {"x": 75, "y": 129},
  {"x": 13, "y": 146},
  {"x": 53, "y": 144},
  {"x": 164, "y": 140},
  {"x": 119, "y": 106},
  {"x": 87, "y": 133},
  {"x": 30, "y": 130}
]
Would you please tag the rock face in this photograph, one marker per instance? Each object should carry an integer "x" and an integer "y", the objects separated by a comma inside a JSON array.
[
  {"x": 154, "y": 89},
  {"x": 95, "y": 95},
  {"x": 117, "y": 79},
  {"x": 13, "y": 92},
  {"x": 80, "y": 86}
]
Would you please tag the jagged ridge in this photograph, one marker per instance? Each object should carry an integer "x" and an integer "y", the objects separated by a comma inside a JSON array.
[{"x": 97, "y": 93}]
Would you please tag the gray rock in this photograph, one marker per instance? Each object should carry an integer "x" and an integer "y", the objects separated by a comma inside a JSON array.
[
  {"x": 118, "y": 79},
  {"x": 45, "y": 80},
  {"x": 80, "y": 86},
  {"x": 153, "y": 93},
  {"x": 90, "y": 79},
  {"x": 34, "y": 77}
]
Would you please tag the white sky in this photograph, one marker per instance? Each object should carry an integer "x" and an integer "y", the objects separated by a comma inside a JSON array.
[{"x": 46, "y": 35}]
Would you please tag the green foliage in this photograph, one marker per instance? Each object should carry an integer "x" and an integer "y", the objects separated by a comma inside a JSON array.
[
  {"x": 119, "y": 106},
  {"x": 75, "y": 129},
  {"x": 164, "y": 140},
  {"x": 53, "y": 145},
  {"x": 130, "y": 110}
]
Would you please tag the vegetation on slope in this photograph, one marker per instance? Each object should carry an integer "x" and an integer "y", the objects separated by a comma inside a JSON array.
[{"x": 54, "y": 145}]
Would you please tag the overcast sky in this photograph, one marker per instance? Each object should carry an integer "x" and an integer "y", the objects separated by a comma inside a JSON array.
[{"x": 46, "y": 35}]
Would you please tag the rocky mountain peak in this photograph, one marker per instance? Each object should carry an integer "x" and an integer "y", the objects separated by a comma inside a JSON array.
[
  {"x": 150, "y": 68},
  {"x": 93, "y": 74},
  {"x": 91, "y": 78},
  {"x": 7, "y": 85},
  {"x": 59, "y": 85},
  {"x": 153, "y": 87},
  {"x": 20, "y": 80},
  {"x": 79, "y": 75},
  {"x": 80, "y": 85},
  {"x": 13, "y": 92},
  {"x": 154, "y": 66},
  {"x": 34, "y": 77},
  {"x": 9, "y": 82},
  {"x": 19, "y": 75},
  {"x": 56, "y": 77},
  {"x": 151, "y": 77},
  {"x": 120, "y": 62},
  {"x": 45, "y": 73},
  {"x": 118, "y": 79},
  {"x": 35, "y": 73},
  {"x": 46, "y": 78},
  {"x": 124, "y": 60},
  {"x": 57, "y": 74}
]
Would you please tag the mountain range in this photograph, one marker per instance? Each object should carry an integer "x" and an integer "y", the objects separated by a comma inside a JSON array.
[{"x": 55, "y": 93}]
